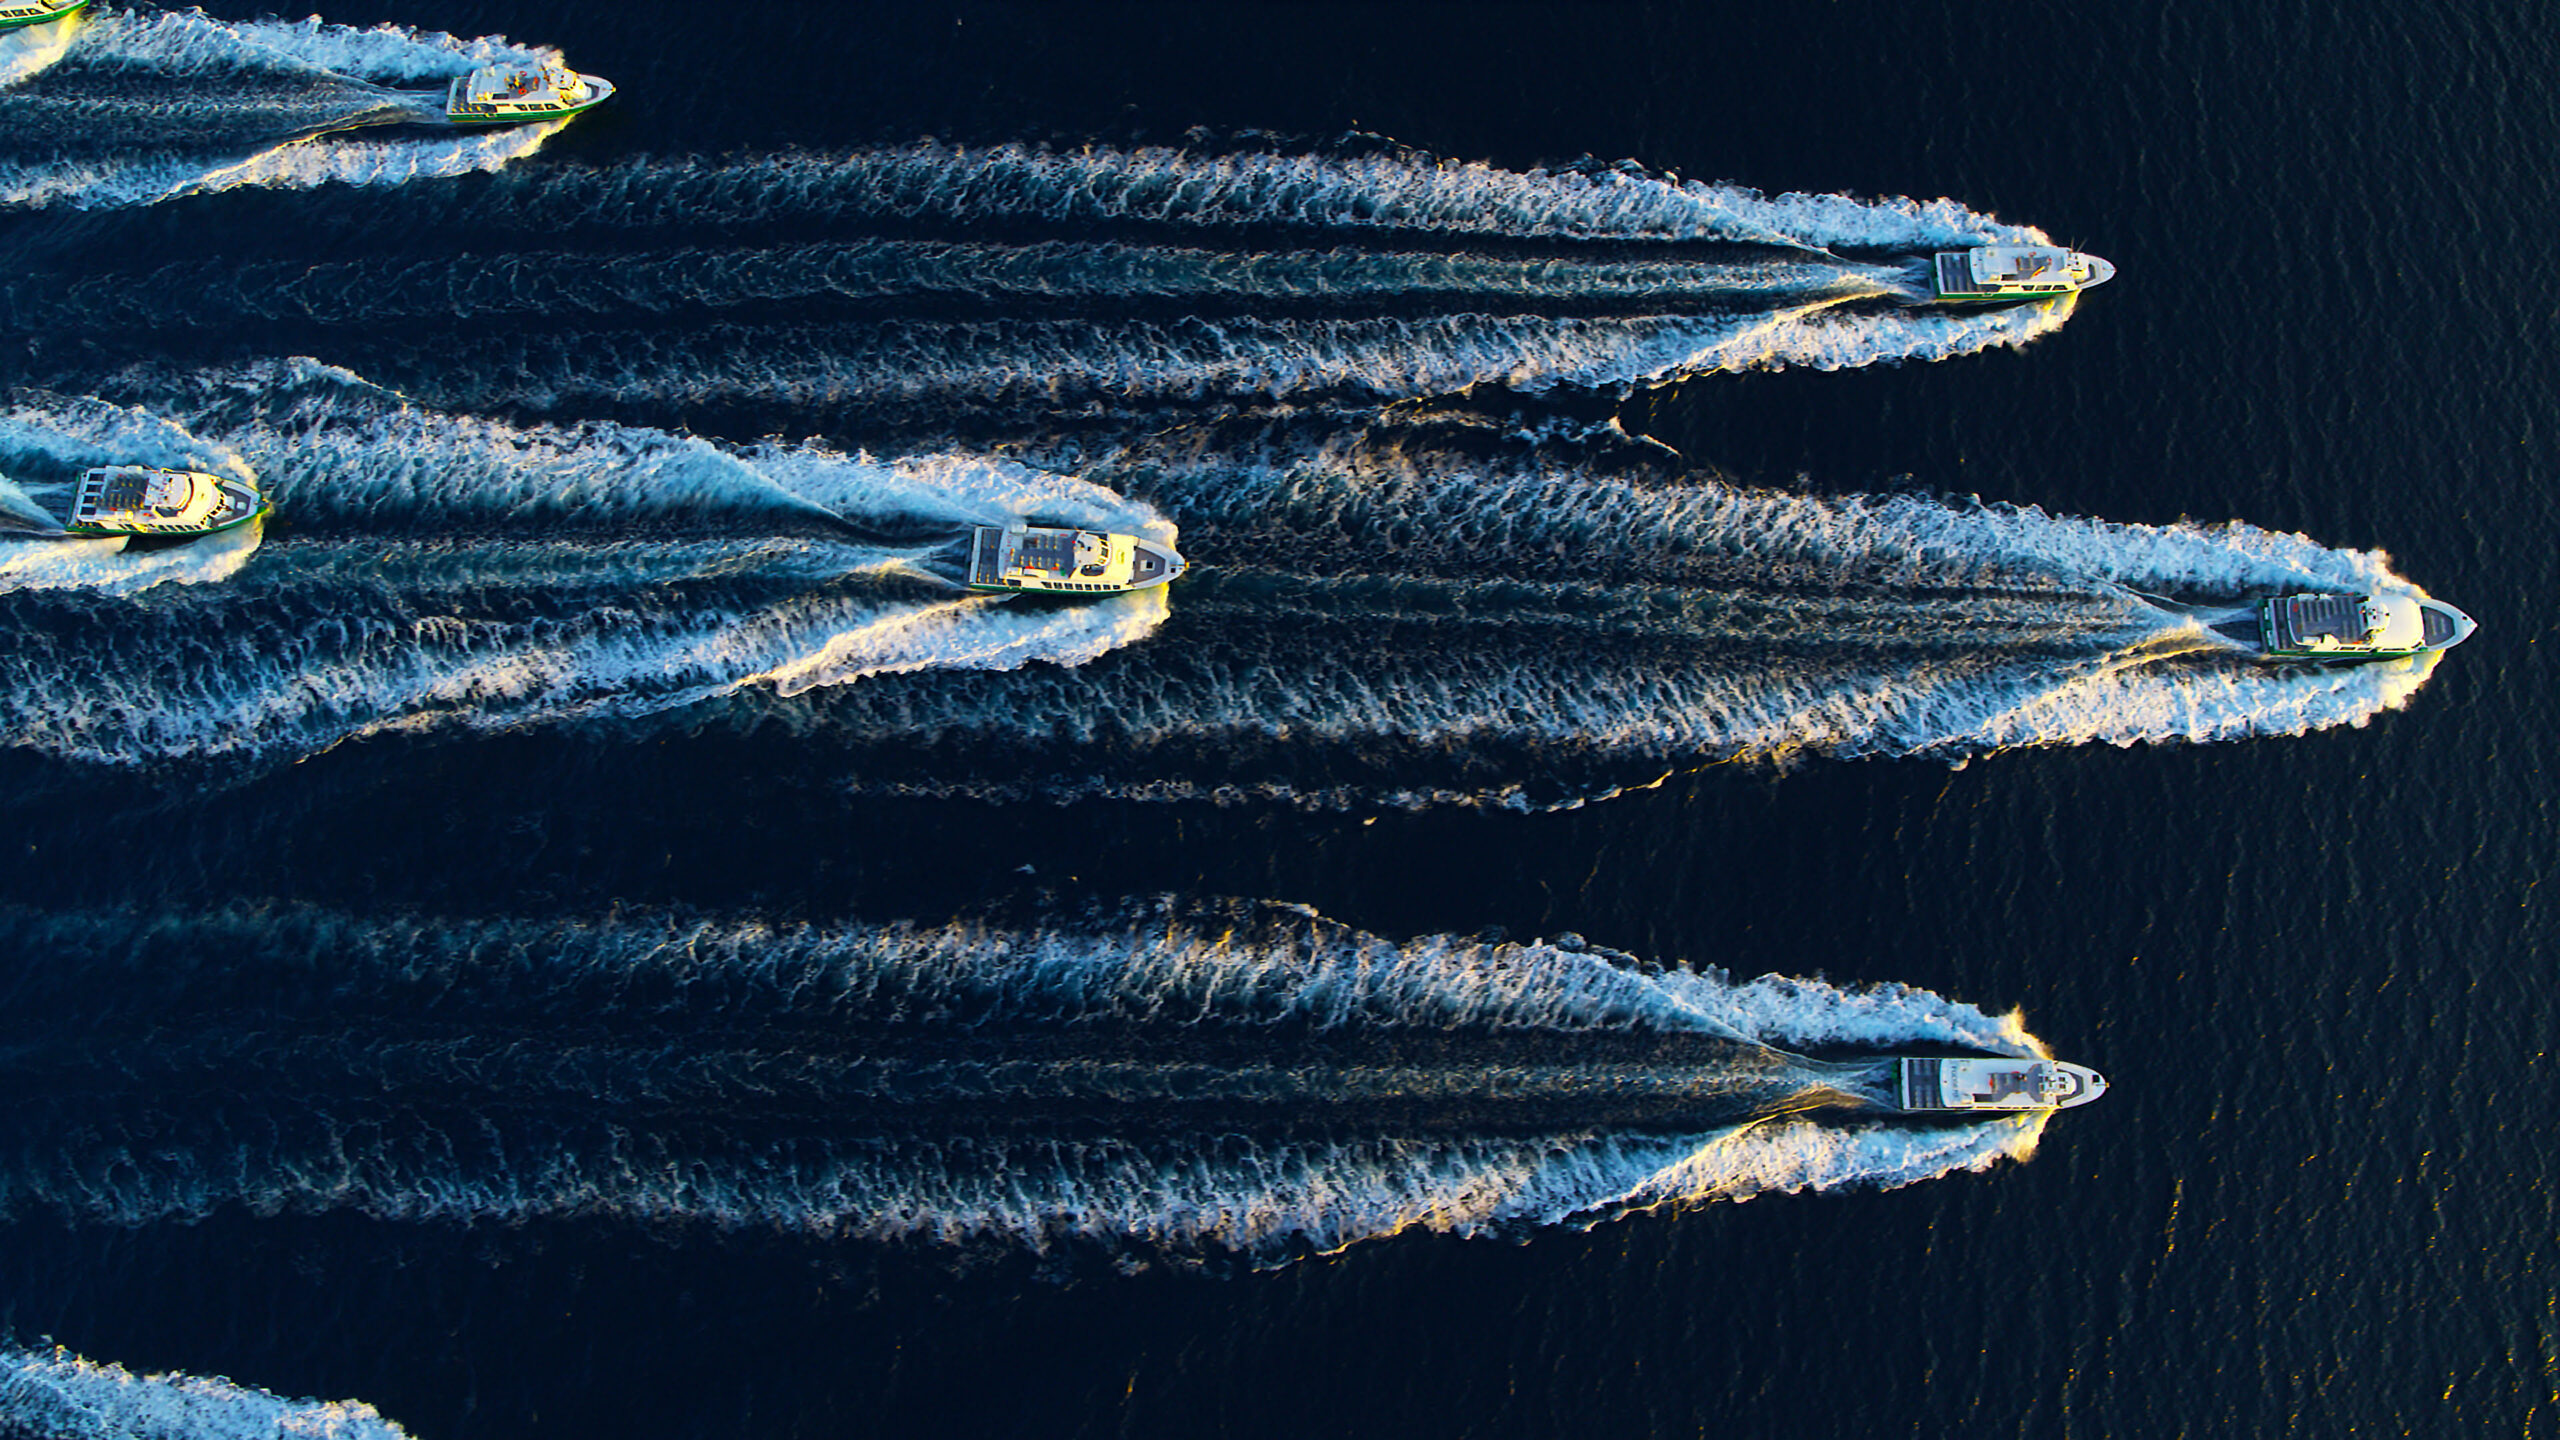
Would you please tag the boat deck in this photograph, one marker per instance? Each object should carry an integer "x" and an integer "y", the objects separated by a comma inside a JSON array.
[
  {"x": 2300, "y": 620},
  {"x": 986, "y": 556},
  {"x": 1955, "y": 277},
  {"x": 111, "y": 490}
]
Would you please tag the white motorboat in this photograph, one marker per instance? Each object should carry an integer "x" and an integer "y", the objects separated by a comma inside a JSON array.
[
  {"x": 1987, "y": 1084},
  {"x": 2332, "y": 628},
  {"x": 141, "y": 500},
  {"x": 515, "y": 94},
  {"x": 1987, "y": 274},
  {"x": 1061, "y": 560}
]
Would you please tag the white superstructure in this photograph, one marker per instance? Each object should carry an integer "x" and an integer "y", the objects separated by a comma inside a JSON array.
[
  {"x": 509, "y": 94},
  {"x": 2016, "y": 272},
  {"x": 1989, "y": 1084}
]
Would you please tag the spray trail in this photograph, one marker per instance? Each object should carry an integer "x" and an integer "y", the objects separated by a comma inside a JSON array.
[
  {"x": 31, "y": 50},
  {"x": 142, "y": 107},
  {"x": 455, "y": 573},
  {"x": 893, "y": 285},
  {"x": 1404, "y": 193},
  {"x": 656, "y": 283},
  {"x": 1377, "y": 625},
  {"x": 60, "y": 440},
  {"x": 1371, "y": 625},
  {"x": 63, "y": 1396},
  {"x": 902, "y": 372},
  {"x": 1245, "y": 1079}
]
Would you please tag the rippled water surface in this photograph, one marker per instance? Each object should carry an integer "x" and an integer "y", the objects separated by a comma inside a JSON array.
[{"x": 582, "y": 924}]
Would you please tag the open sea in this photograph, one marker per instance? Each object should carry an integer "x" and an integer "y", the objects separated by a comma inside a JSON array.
[{"x": 581, "y": 925}]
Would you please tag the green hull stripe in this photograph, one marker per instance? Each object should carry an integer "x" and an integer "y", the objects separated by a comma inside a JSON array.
[
  {"x": 41, "y": 19},
  {"x": 85, "y": 531},
  {"x": 521, "y": 118}
]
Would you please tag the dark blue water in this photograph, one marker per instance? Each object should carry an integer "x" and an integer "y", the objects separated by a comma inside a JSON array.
[{"x": 577, "y": 929}]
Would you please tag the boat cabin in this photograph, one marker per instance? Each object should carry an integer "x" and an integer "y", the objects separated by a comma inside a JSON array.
[
  {"x": 1988, "y": 272},
  {"x": 1071, "y": 560},
  {"x": 2357, "y": 627},
  {"x": 522, "y": 92},
  {"x": 144, "y": 500}
]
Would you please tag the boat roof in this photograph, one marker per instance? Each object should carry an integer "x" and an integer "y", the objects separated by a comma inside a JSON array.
[{"x": 2021, "y": 262}]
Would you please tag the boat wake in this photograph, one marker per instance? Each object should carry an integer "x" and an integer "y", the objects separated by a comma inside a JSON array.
[
  {"x": 1398, "y": 192},
  {"x": 62, "y": 1396},
  {"x": 30, "y": 50},
  {"x": 1233, "y": 1080},
  {"x": 454, "y": 573},
  {"x": 151, "y": 106},
  {"x": 1373, "y": 624},
  {"x": 34, "y": 554},
  {"x": 930, "y": 280},
  {"x": 896, "y": 372}
]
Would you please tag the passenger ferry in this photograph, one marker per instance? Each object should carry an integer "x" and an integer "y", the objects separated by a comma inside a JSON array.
[
  {"x": 1996, "y": 1084},
  {"x": 14, "y": 13},
  {"x": 1050, "y": 559},
  {"x": 140, "y": 500},
  {"x": 1988, "y": 274},
  {"x": 518, "y": 93},
  {"x": 2319, "y": 629}
]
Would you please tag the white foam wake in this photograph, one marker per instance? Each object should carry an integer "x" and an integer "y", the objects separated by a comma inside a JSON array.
[
  {"x": 1477, "y": 712},
  {"x": 69, "y": 437},
  {"x": 1106, "y": 368},
  {"x": 339, "y": 451},
  {"x": 107, "y": 566},
  {"x": 308, "y": 164},
  {"x": 20, "y": 512},
  {"x": 1159, "y": 186},
  {"x": 298, "y": 162},
  {"x": 1270, "y": 1201},
  {"x": 1380, "y": 500},
  {"x": 30, "y": 50},
  {"x": 191, "y": 45},
  {"x": 1268, "y": 1197},
  {"x": 291, "y": 674},
  {"x": 702, "y": 1077},
  {"x": 62, "y": 1396},
  {"x": 605, "y": 571},
  {"x": 1252, "y": 966},
  {"x": 559, "y": 286},
  {"x": 167, "y": 69},
  {"x": 1541, "y": 614}
]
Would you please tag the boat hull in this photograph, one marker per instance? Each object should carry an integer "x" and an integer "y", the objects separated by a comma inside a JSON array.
[
  {"x": 101, "y": 511},
  {"x": 94, "y": 532},
  {"x": 461, "y": 114},
  {"x": 15, "y": 22}
]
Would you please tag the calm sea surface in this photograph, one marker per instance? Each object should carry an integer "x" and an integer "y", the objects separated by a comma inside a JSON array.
[{"x": 436, "y": 953}]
